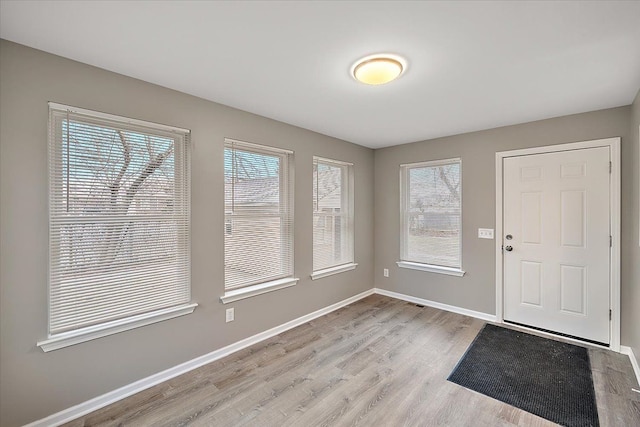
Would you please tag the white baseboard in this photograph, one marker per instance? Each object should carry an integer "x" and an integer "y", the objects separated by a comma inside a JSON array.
[
  {"x": 96, "y": 403},
  {"x": 452, "y": 308},
  {"x": 634, "y": 361},
  {"x": 145, "y": 383}
]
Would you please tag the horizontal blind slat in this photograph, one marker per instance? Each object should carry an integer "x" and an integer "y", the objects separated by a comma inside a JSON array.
[
  {"x": 432, "y": 213},
  {"x": 90, "y": 308},
  {"x": 333, "y": 234},
  {"x": 119, "y": 218},
  {"x": 136, "y": 281},
  {"x": 258, "y": 218},
  {"x": 108, "y": 313}
]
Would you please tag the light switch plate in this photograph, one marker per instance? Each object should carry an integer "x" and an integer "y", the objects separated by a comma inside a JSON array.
[
  {"x": 485, "y": 233},
  {"x": 230, "y": 315}
]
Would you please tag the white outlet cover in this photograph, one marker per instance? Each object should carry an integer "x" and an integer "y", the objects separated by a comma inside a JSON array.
[
  {"x": 230, "y": 315},
  {"x": 485, "y": 233}
]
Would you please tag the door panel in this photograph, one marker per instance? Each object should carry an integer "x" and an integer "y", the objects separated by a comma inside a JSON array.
[
  {"x": 556, "y": 208},
  {"x": 572, "y": 213},
  {"x": 531, "y": 283},
  {"x": 531, "y": 204}
]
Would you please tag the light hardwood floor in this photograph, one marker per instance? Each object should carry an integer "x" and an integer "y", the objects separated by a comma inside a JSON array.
[{"x": 377, "y": 362}]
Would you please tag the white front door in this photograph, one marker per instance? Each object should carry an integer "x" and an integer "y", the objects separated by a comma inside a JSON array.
[{"x": 556, "y": 223}]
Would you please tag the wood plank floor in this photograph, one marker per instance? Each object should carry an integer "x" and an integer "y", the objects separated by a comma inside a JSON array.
[{"x": 377, "y": 362}]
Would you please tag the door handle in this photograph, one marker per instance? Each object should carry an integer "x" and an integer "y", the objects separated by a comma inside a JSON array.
[{"x": 508, "y": 248}]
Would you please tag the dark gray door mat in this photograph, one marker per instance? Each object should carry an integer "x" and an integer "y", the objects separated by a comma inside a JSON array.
[{"x": 547, "y": 378}]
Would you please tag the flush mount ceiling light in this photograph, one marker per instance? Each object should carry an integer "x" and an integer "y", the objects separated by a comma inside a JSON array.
[{"x": 378, "y": 69}]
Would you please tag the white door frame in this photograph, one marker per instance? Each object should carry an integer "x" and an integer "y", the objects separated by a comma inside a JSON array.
[{"x": 614, "y": 203}]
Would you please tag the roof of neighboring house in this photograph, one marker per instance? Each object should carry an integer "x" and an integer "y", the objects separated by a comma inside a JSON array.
[
  {"x": 265, "y": 191},
  {"x": 254, "y": 192}
]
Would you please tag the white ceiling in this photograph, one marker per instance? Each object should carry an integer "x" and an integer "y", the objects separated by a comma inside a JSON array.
[{"x": 472, "y": 65}]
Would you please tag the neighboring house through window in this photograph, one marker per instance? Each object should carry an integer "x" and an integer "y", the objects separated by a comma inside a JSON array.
[
  {"x": 431, "y": 201},
  {"x": 333, "y": 227},
  {"x": 258, "y": 245},
  {"x": 118, "y": 224}
]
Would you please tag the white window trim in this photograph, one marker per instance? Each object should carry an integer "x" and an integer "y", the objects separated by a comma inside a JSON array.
[
  {"x": 431, "y": 268},
  {"x": 265, "y": 149},
  {"x": 106, "y": 116},
  {"x": 66, "y": 339},
  {"x": 319, "y": 274},
  {"x": 259, "y": 289},
  {"x": 59, "y": 340},
  {"x": 243, "y": 291},
  {"x": 404, "y": 263},
  {"x": 350, "y": 203}
]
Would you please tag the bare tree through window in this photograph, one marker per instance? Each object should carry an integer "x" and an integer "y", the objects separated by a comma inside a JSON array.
[
  {"x": 432, "y": 213},
  {"x": 118, "y": 221}
]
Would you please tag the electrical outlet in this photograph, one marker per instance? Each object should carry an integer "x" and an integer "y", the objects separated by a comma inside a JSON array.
[
  {"x": 230, "y": 315},
  {"x": 485, "y": 233},
  {"x": 385, "y": 272}
]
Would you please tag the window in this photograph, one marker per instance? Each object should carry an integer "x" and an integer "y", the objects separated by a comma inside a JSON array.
[
  {"x": 332, "y": 217},
  {"x": 431, "y": 216},
  {"x": 258, "y": 243},
  {"x": 118, "y": 224}
]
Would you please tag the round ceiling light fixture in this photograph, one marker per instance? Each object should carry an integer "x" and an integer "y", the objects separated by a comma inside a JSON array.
[{"x": 378, "y": 69}]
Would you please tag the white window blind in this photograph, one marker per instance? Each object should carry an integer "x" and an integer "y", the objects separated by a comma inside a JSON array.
[
  {"x": 118, "y": 218},
  {"x": 333, "y": 234},
  {"x": 258, "y": 243},
  {"x": 431, "y": 213}
]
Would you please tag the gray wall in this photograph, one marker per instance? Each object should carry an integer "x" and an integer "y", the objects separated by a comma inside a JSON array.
[
  {"x": 35, "y": 384},
  {"x": 476, "y": 290},
  {"x": 632, "y": 306}
]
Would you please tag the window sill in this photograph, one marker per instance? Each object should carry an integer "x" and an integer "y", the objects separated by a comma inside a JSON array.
[
  {"x": 333, "y": 270},
  {"x": 262, "y": 288},
  {"x": 66, "y": 339},
  {"x": 431, "y": 268}
]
